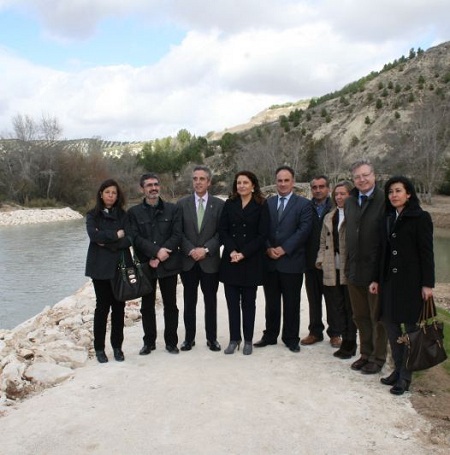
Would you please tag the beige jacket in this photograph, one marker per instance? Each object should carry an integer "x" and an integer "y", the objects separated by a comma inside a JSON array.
[{"x": 326, "y": 257}]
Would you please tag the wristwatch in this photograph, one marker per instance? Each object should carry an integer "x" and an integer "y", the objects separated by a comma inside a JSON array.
[{"x": 206, "y": 250}]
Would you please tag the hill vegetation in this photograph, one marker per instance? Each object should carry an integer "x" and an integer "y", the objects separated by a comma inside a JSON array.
[{"x": 398, "y": 117}]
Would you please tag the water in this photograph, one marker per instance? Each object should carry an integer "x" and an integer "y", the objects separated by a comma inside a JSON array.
[{"x": 40, "y": 264}]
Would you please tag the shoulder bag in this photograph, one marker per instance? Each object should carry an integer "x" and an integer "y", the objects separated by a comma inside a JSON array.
[
  {"x": 425, "y": 346},
  {"x": 131, "y": 281}
]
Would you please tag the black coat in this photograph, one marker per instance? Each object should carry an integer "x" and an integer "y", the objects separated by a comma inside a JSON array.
[
  {"x": 244, "y": 230},
  {"x": 154, "y": 228},
  {"x": 407, "y": 264},
  {"x": 105, "y": 247}
]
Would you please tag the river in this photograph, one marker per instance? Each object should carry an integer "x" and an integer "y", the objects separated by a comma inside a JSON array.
[{"x": 40, "y": 264}]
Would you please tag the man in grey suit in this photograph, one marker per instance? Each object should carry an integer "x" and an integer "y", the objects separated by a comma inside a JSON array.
[
  {"x": 290, "y": 225},
  {"x": 200, "y": 248}
]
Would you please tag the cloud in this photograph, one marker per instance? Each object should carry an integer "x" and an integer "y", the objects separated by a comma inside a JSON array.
[{"x": 235, "y": 59}]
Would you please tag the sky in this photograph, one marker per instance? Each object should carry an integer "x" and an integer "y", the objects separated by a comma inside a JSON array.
[{"x": 137, "y": 70}]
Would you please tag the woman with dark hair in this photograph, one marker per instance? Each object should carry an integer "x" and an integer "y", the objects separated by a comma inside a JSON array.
[
  {"x": 243, "y": 229},
  {"x": 331, "y": 259},
  {"x": 106, "y": 226},
  {"x": 406, "y": 277}
]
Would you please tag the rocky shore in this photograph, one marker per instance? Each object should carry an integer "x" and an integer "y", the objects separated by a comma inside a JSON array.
[{"x": 10, "y": 216}]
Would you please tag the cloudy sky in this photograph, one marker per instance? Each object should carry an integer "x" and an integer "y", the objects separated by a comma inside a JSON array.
[{"x": 141, "y": 69}]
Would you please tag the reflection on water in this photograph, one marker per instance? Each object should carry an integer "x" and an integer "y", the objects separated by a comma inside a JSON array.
[
  {"x": 40, "y": 264},
  {"x": 442, "y": 255}
]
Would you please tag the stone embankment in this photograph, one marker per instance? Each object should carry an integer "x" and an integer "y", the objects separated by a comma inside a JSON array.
[{"x": 46, "y": 349}]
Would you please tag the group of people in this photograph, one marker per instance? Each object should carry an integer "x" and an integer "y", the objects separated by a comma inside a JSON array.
[{"x": 367, "y": 253}]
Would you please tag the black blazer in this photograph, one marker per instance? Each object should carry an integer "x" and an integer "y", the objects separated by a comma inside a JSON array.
[
  {"x": 105, "y": 248},
  {"x": 243, "y": 230}
]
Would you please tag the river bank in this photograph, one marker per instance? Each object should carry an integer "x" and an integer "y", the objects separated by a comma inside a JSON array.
[{"x": 11, "y": 216}]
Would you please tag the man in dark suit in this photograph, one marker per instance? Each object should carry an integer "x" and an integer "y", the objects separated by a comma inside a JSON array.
[
  {"x": 200, "y": 248},
  {"x": 321, "y": 202},
  {"x": 290, "y": 225}
]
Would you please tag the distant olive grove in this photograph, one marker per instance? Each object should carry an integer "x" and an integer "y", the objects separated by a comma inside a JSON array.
[{"x": 38, "y": 168}]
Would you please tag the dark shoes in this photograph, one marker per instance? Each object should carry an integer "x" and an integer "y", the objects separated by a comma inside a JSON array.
[
  {"x": 400, "y": 387},
  {"x": 173, "y": 349},
  {"x": 147, "y": 349},
  {"x": 347, "y": 349},
  {"x": 213, "y": 345},
  {"x": 248, "y": 348},
  {"x": 311, "y": 339},
  {"x": 262, "y": 343},
  {"x": 294, "y": 347},
  {"x": 358, "y": 364},
  {"x": 187, "y": 345},
  {"x": 118, "y": 354},
  {"x": 101, "y": 356},
  {"x": 371, "y": 368},
  {"x": 391, "y": 379}
]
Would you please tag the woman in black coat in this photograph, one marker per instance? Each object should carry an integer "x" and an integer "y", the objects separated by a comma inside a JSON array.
[
  {"x": 406, "y": 277},
  {"x": 243, "y": 229},
  {"x": 106, "y": 226}
]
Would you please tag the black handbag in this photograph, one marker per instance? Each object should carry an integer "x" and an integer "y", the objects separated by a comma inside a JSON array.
[
  {"x": 425, "y": 346},
  {"x": 131, "y": 281}
]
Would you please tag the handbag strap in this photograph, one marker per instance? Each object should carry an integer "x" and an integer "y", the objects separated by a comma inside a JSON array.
[{"x": 428, "y": 310}]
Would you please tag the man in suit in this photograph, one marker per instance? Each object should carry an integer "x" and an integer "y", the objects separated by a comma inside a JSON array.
[
  {"x": 200, "y": 248},
  {"x": 321, "y": 202},
  {"x": 364, "y": 211},
  {"x": 290, "y": 225}
]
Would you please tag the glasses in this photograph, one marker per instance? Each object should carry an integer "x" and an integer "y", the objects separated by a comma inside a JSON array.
[
  {"x": 362, "y": 176},
  {"x": 150, "y": 185},
  {"x": 318, "y": 187}
]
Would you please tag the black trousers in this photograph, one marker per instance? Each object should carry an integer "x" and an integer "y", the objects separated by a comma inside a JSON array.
[
  {"x": 104, "y": 301},
  {"x": 209, "y": 283},
  {"x": 341, "y": 307},
  {"x": 394, "y": 330},
  {"x": 168, "y": 288},
  {"x": 288, "y": 286},
  {"x": 314, "y": 291},
  {"x": 237, "y": 298}
]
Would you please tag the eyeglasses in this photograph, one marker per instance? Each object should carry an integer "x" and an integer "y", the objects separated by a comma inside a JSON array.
[
  {"x": 318, "y": 187},
  {"x": 150, "y": 185},
  {"x": 362, "y": 176}
]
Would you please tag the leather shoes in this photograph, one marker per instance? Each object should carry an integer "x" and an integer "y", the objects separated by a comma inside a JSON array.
[
  {"x": 294, "y": 347},
  {"x": 118, "y": 354},
  {"x": 213, "y": 345},
  {"x": 335, "y": 342},
  {"x": 391, "y": 379},
  {"x": 310, "y": 339},
  {"x": 172, "y": 349},
  {"x": 262, "y": 343},
  {"x": 101, "y": 356},
  {"x": 358, "y": 364},
  {"x": 187, "y": 345},
  {"x": 147, "y": 349},
  {"x": 400, "y": 387},
  {"x": 370, "y": 368}
]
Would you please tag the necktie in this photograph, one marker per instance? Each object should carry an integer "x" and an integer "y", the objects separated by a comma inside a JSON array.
[
  {"x": 363, "y": 199},
  {"x": 200, "y": 213},
  {"x": 281, "y": 207}
]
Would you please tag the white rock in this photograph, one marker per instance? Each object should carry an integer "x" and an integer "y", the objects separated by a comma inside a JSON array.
[
  {"x": 47, "y": 373},
  {"x": 66, "y": 353},
  {"x": 11, "y": 380}
]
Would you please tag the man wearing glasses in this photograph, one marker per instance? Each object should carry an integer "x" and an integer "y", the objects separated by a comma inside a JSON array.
[
  {"x": 156, "y": 228},
  {"x": 363, "y": 213}
]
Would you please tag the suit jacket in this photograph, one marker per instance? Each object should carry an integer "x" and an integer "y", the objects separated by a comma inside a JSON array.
[
  {"x": 207, "y": 236},
  {"x": 291, "y": 233}
]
